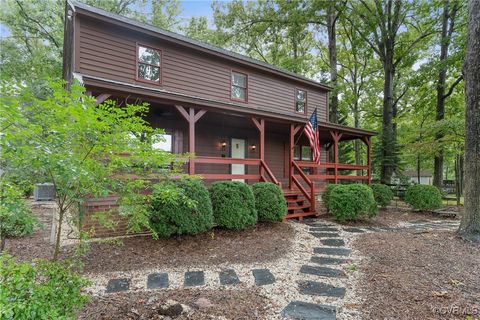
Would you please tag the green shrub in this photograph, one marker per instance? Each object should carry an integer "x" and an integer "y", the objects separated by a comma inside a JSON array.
[
  {"x": 423, "y": 197},
  {"x": 269, "y": 201},
  {"x": 352, "y": 201},
  {"x": 16, "y": 218},
  {"x": 383, "y": 194},
  {"x": 327, "y": 192},
  {"x": 180, "y": 207},
  {"x": 233, "y": 204},
  {"x": 40, "y": 290}
]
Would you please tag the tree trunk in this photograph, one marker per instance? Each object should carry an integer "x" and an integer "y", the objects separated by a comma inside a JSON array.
[
  {"x": 470, "y": 224},
  {"x": 418, "y": 168},
  {"x": 61, "y": 214},
  {"x": 388, "y": 133},
  {"x": 332, "y": 55},
  {"x": 442, "y": 74}
]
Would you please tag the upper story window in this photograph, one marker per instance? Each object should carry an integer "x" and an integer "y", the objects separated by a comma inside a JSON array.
[
  {"x": 149, "y": 64},
  {"x": 300, "y": 100},
  {"x": 239, "y": 89}
]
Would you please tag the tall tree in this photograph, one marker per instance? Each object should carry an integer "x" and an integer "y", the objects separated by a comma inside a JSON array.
[
  {"x": 392, "y": 28},
  {"x": 448, "y": 25},
  {"x": 470, "y": 224}
]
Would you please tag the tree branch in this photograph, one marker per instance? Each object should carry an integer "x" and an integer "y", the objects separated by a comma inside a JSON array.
[{"x": 452, "y": 87}]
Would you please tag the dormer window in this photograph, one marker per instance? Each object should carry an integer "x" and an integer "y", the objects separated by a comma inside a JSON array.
[
  {"x": 239, "y": 90},
  {"x": 149, "y": 64},
  {"x": 300, "y": 101}
]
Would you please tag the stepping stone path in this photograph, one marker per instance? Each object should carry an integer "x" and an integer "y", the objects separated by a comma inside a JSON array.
[
  {"x": 228, "y": 277},
  {"x": 309, "y": 311},
  {"x": 118, "y": 285},
  {"x": 157, "y": 281},
  {"x": 333, "y": 242},
  {"x": 332, "y": 246},
  {"x": 194, "y": 278},
  {"x": 191, "y": 279},
  {"x": 328, "y": 260},
  {"x": 263, "y": 277},
  {"x": 315, "y": 288},
  {"x": 322, "y": 271}
]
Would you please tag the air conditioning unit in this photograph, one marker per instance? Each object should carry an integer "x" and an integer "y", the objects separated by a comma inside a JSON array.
[{"x": 44, "y": 192}]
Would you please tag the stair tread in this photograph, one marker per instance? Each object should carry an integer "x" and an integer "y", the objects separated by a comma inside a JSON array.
[{"x": 298, "y": 207}]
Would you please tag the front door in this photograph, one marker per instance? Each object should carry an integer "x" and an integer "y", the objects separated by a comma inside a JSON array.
[{"x": 238, "y": 151}]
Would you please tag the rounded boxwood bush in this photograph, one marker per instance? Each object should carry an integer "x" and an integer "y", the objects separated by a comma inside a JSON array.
[
  {"x": 327, "y": 192},
  {"x": 423, "y": 197},
  {"x": 233, "y": 204},
  {"x": 180, "y": 207},
  {"x": 352, "y": 201},
  {"x": 383, "y": 194},
  {"x": 269, "y": 201}
]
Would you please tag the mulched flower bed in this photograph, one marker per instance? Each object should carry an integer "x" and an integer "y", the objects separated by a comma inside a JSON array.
[
  {"x": 264, "y": 242},
  {"x": 418, "y": 276},
  {"x": 201, "y": 304}
]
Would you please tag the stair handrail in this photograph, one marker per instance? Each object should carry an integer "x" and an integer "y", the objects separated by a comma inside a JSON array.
[
  {"x": 311, "y": 184},
  {"x": 264, "y": 165}
]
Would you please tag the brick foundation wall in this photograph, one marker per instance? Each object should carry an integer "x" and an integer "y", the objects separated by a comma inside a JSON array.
[{"x": 106, "y": 204}]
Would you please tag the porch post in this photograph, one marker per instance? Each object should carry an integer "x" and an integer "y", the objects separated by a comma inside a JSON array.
[
  {"x": 191, "y": 118},
  {"x": 260, "y": 124},
  {"x": 368, "y": 142},
  {"x": 293, "y": 131},
  {"x": 336, "y": 137}
]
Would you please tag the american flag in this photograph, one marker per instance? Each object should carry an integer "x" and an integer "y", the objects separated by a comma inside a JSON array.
[{"x": 311, "y": 131}]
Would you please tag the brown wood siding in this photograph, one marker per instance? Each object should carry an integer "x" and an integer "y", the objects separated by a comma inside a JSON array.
[{"x": 109, "y": 52}]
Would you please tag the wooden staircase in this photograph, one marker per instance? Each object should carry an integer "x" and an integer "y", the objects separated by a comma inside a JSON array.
[{"x": 298, "y": 206}]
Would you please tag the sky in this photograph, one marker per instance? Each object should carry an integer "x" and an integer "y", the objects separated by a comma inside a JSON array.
[{"x": 190, "y": 8}]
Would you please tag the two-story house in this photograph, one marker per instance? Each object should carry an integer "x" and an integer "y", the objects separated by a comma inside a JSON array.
[{"x": 241, "y": 118}]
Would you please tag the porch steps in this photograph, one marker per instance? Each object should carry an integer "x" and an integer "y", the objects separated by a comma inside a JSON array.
[{"x": 298, "y": 206}]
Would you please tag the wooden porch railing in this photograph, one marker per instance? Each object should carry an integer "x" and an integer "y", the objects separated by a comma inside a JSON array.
[
  {"x": 260, "y": 176},
  {"x": 310, "y": 196},
  {"x": 336, "y": 167}
]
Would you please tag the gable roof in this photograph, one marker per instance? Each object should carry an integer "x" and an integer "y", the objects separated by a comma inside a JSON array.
[{"x": 183, "y": 40}]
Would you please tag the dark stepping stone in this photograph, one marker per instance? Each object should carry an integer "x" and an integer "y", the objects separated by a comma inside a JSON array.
[
  {"x": 354, "y": 230},
  {"x": 315, "y": 288},
  {"x": 323, "y": 229},
  {"x": 157, "y": 281},
  {"x": 324, "y": 260},
  {"x": 228, "y": 277},
  {"x": 263, "y": 277},
  {"x": 333, "y": 242},
  {"x": 194, "y": 278},
  {"x": 332, "y": 251},
  {"x": 308, "y": 311},
  {"x": 419, "y": 221},
  {"x": 325, "y": 234},
  {"x": 322, "y": 271},
  {"x": 118, "y": 285}
]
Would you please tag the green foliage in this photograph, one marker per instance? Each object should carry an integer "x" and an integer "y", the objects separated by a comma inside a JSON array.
[
  {"x": 423, "y": 197},
  {"x": 40, "y": 290},
  {"x": 16, "y": 218},
  {"x": 233, "y": 204},
  {"x": 63, "y": 137},
  {"x": 382, "y": 193},
  {"x": 326, "y": 194},
  {"x": 269, "y": 201},
  {"x": 352, "y": 201},
  {"x": 181, "y": 207}
]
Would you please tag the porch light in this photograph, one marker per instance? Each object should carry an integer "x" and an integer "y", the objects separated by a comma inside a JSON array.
[
  {"x": 223, "y": 144},
  {"x": 253, "y": 147}
]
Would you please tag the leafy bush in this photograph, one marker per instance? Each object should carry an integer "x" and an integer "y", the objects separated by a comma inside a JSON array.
[
  {"x": 326, "y": 194},
  {"x": 423, "y": 197},
  {"x": 16, "y": 218},
  {"x": 269, "y": 201},
  {"x": 180, "y": 207},
  {"x": 233, "y": 204},
  {"x": 382, "y": 193},
  {"x": 40, "y": 290},
  {"x": 352, "y": 201}
]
